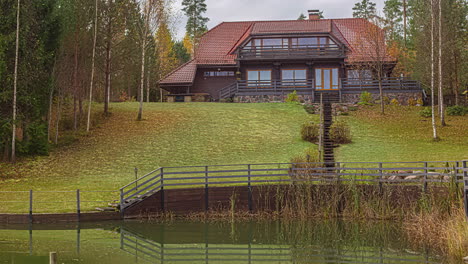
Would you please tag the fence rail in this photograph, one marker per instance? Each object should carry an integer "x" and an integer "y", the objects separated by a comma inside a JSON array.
[
  {"x": 409, "y": 173},
  {"x": 294, "y": 51},
  {"x": 154, "y": 252},
  {"x": 78, "y": 201}
]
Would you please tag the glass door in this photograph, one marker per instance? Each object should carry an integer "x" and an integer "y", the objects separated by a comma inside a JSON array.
[{"x": 326, "y": 79}]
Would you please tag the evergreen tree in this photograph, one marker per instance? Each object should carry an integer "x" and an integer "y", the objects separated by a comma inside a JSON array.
[
  {"x": 365, "y": 9},
  {"x": 302, "y": 17},
  {"x": 181, "y": 52},
  {"x": 196, "y": 23}
]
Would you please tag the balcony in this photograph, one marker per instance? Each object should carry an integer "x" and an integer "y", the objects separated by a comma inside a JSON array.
[
  {"x": 346, "y": 85},
  {"x": 292, "y": 52}
]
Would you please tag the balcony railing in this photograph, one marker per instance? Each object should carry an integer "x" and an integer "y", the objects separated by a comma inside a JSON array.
[
  {"x": 390, "y": 83},
  {"x": 296, "y": 51},
  {"x": 281, "y": 87}
]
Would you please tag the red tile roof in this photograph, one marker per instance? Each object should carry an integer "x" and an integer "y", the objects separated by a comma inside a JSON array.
[
  {"x": 185, "y": 74},
  {"x": 218, "y": 45}
]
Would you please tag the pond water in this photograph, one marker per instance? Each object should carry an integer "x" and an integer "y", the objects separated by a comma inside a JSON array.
[{"x": 211, "y": 242}]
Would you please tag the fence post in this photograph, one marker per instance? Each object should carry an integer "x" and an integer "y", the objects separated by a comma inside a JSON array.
[
  {"x": 30, "y": 206},
  {"x": 122, "y": 206},
  {"x": 465, "y": 187},
  {"x": 162, "y": 189},
  {"x": 206, "y": 189},
  {"x": 136, "y": 179},
  {"x": 249, "y": 188},
  {"x": 380, "y": 177},
  {"x": 78, "y": 209},
  {"x": 425, "y": 177}
]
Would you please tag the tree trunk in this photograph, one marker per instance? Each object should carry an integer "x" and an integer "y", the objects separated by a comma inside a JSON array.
[
  {"x": 441, "y": 93},
  {"x": 15, "y": 86},
  {"x": 59, "y": 112},
  {"x": 404, "y": 23},
  {"x": 51, "y": 99},
  {"x": 92, "y": 68},
  {"x": 75, "y": 85},
  {"x": 148, "y": 82},
  {"x": 108, "y": 60},
  {"x": 382, "y": 107},
  {"x": 143, "y": 54},
  {"x": 434, "y": 128}
]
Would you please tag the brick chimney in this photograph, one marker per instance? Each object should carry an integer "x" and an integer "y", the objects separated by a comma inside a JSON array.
[{"x": 314, "y": 14}]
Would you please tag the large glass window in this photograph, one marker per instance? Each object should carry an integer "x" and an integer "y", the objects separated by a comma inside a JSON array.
[
  {"x": 258, "y": 78},
  {"x": 294, "y": 77},
  {"x": 326, "y": 78}
]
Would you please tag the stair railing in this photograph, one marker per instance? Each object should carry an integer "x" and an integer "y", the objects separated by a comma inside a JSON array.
[{"x": 144, "y": 186}]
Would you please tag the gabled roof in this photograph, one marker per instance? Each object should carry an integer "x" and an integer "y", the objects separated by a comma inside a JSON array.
[
  {"x": 218, "y": 45},
  {"x": 185, "y": 74}
]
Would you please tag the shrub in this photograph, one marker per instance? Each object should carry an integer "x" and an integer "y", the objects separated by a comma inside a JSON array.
[
  {"x": 394, "y": 102},
  {"x": 365, "y": 98},
  {"x": 310, "y": 109},
  {"x": 340, "y": 133},
  {"x": 292, "y": 98},
  {"x": 386, "y": 100},
  {"x": 426, "y": 112},
  {"x": 420, "y": 102},
  {"x": 412, "y": 102},
  {"x": 310, "y": 132},
  {"x": 457, "y": 110},
  {"x": 309, "y": 160}
]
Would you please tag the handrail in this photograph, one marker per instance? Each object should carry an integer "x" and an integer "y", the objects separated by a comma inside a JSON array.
[
  {"x": 421, "y": 172},
  {"x": 317, "y": 50}
]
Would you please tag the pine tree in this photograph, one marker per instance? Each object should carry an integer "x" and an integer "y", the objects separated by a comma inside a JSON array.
[
  {"x": 365, "y": 9},
  {"x": 301, "y": 17},
  {"x": 196, "y": 23}
]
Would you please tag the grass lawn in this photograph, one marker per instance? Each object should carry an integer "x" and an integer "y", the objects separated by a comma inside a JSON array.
[
  {"x": 208, "y": 134},
  {"x": 402, "y": 135},
  {"x": 170, "y": 135}
]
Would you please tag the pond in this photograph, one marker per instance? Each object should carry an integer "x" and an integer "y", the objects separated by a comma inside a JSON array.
[{"x": 178, "y": 241}]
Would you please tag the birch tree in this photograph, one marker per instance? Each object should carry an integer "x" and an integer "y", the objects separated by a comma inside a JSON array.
[
  {"x": 15, "y": 86},
  {"x": 441, "y": 94},
  {"x": 434, "y": 128},
  {"x": 92, "y": 66}
]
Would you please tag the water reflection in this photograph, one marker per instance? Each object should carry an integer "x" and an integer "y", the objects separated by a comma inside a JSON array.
[{"x": 219, "y": 242}]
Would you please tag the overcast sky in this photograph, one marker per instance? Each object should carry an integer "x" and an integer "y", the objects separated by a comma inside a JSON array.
[{"x": 239, "y": 10}]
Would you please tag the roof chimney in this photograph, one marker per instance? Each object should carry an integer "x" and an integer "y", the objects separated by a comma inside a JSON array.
[{"x": 314, "y": 14}]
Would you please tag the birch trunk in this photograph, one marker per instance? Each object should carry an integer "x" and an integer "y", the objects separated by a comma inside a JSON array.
[
  {"x": 15, "y": 86},
  {"x": 434, "y": 128},
  {"x": 148, "y": 81},
  {"x": 143, "y": 54},
  {"x": 92, "y": 67},
  {"x": 441, "y": 94},
  {"x": 108, "y": 60},
  {"x": 404, "y": 23}
]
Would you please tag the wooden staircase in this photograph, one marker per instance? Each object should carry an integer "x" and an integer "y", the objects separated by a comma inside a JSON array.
[{"x": 328, "y": 145}]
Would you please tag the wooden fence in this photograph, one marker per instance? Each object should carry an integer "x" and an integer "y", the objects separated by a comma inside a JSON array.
[{"x": 404, "y": 173}]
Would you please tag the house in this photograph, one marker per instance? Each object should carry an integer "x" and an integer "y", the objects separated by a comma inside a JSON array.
[{"x": 261, "y": 61}]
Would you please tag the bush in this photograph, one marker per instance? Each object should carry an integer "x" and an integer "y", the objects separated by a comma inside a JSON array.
[
  {"x": 340, "y": 133},
  {"x": 310, "y": 109},
  {"x": 457, "y": 110},
  {"x": 310, "y": 132},
  {"x": 292, "y": 98},
  {"x": 412, "y": 102},
  {"x": 426, "y": 112},
  {"x": 394, "y": 102},
  {"x": 366, "y": 98},
  {"x": 420, "y": 102},
  {"x": 309, "y": 160}
]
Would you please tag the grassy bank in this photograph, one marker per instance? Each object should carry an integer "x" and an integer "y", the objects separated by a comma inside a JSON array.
[
  {"x": 402, "y": 135},
  {"x": 169, "y": 135}
]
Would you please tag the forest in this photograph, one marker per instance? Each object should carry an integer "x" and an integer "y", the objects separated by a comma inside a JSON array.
[{"x": 62, "y": 62}]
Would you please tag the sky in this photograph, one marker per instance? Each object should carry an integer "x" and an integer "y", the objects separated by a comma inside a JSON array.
[{"x": 241, "y": 10}]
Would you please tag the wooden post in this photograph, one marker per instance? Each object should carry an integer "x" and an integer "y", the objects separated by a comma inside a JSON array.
[
  {"x": 122, "y": 206},
  {"x": 136, "y": 179},
  {"x": 380, "y": 177},
  {"x": 249, "y": 188},
  {"x": 425, "y": 177},
  {"x": 206, "y": 189},
  {"x": 78, "y": 209},
  {"x": 53, "y": 257},
  {"x": 30, "y": 206},
  {"x": 465, "y": 187},
  {"x": 162, "y": 189}
]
